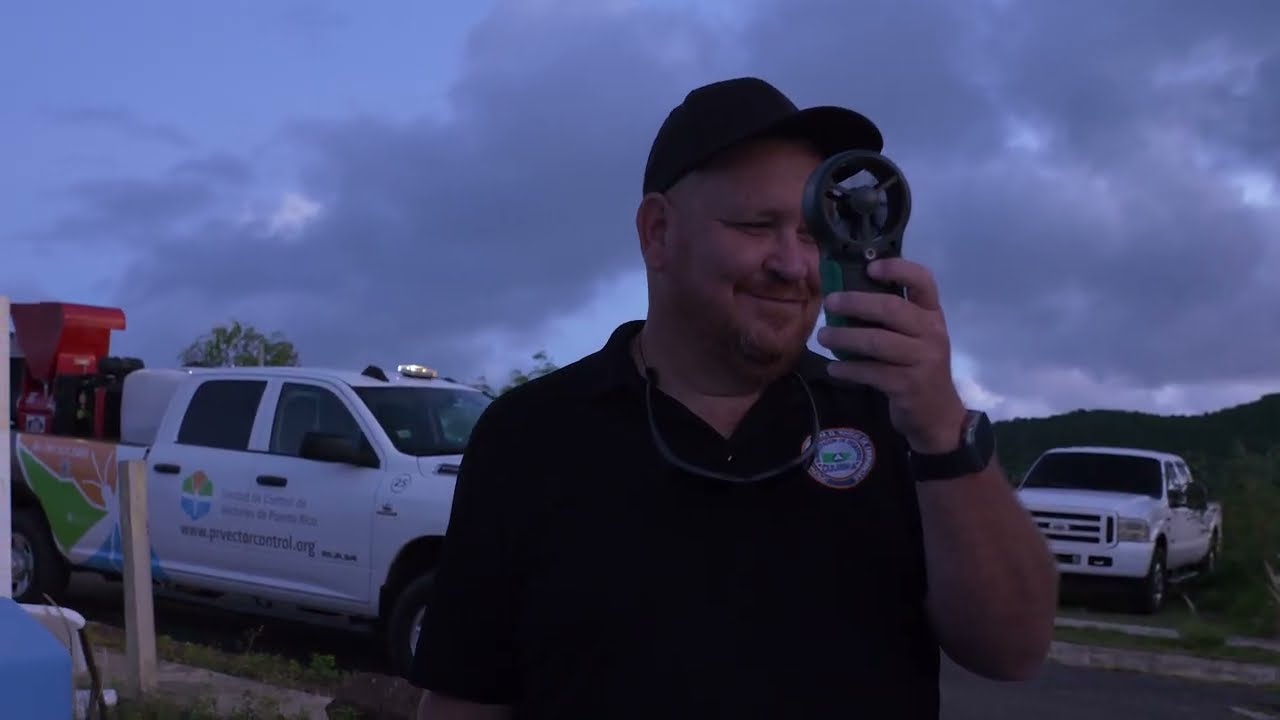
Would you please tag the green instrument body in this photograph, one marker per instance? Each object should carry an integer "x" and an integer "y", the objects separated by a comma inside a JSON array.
[{"x": 855, "y": 225}]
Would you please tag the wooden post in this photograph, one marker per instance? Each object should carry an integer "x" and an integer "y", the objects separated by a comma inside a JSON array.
[
  {"x": 6, "y": 492},
  {"x": 139, "y": 613}
]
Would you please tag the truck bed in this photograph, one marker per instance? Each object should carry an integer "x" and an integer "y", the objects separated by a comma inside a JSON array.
[{"x": 76, "y": 481}]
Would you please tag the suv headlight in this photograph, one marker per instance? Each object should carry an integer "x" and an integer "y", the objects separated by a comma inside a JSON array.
[{"x": 1133, "y": 530}]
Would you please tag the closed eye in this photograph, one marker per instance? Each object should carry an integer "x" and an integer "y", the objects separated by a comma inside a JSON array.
[
  {"x": 750, "y": 225},
  {"x": 765, "y": 227}
]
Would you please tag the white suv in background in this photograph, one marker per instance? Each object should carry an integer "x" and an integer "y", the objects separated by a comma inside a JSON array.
[{"x": 1123, "y": 516}]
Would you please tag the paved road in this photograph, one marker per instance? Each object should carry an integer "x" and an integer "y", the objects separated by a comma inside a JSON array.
[
  {"x": 1066, "y": 693},
  {"x": 1060, "y": 693}
]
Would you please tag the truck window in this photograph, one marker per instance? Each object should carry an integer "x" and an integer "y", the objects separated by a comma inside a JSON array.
[
  {"x": 220, "y": 414},
  {"x": 1174, "y": 480},
  {"x": 425, "y": 420},
  {"x": 1102, "y": 472},
  {"x": 310, "y": 408},
  {"x": 1185, "y": 472}
]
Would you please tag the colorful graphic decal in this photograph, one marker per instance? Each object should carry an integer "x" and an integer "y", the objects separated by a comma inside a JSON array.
[
  {"x": 76, "y": 482},
  {"x": 197, "y": 495}
]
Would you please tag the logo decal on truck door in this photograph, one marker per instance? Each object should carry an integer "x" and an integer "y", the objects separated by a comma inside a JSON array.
[{"x": 197, "y": 495}]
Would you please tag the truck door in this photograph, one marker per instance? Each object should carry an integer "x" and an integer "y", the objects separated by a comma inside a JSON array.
[
  {"x": 1199, "y": 529},
  {"x": 201, "y": 476},
  {"x": 322, "y": 511},
  {"x": 1180, "y": 520}
]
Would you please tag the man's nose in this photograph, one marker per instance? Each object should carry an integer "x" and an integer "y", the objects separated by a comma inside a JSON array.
[{"x": 791, "y": 255}]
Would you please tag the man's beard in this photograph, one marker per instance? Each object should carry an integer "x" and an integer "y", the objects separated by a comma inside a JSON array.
[
  {"x": 751, "y": 351},
  {"x": 754, "y": 350},
  {"x": 768, "y": 358},
  {"x": 771, "y": 343}
]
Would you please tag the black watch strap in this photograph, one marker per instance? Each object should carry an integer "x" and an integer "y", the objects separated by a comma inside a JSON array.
[{"x": 977, "y": 446}]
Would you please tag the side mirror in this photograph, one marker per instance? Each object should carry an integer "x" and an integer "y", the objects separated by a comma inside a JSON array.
[
  {"x": 1177, "y": 498},
  {"x": 1197, "y": 498},
  {"x": 328, "y": 447}
]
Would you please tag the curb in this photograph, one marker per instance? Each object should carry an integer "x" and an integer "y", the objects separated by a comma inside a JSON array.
[
  {"x": 1158, "y": 663},
  {"x": 228, "y": 693},
  {"x": 1156, "y": 631}
]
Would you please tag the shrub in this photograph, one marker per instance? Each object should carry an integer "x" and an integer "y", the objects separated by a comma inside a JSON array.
[{"x": 1244, "y": 593}]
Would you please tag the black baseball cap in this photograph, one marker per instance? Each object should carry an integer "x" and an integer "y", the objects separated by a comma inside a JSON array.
[{"x": 718, "y": 116}]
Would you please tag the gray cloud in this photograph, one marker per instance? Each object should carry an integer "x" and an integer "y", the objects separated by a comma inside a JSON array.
[
  {"x": 214, "y": 168},
  {"x": 502, "y": 217},
  {"x": 1118, "y": 246},
  {"x": 124, "y": 123},
  {"x": 1136, "y": 259},
  {"x": 135, "y": 212}
]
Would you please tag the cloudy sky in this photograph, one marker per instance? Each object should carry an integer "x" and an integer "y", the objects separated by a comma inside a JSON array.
[{"x": 1095, "y": 182}]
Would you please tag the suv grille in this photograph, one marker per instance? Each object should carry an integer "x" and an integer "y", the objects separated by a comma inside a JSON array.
[{"x": 1068, "y": 526}]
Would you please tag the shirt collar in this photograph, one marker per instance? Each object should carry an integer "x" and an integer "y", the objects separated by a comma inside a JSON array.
[{"x": 617, "y": 368}]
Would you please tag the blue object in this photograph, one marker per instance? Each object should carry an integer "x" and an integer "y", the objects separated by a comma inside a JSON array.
[{"x": 35, "y": 669}]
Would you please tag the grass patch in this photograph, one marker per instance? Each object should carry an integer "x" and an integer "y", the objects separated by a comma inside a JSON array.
[
  {"x": 1241, "y": 596},
  {"x": 320, "y": 674},
  {"x": 1173, "y": 615},
  {"x": 1176, "y": 615},
  {"x": 162, "y": 708},
  {"x": 1205, "y": 642},
  {"x": 1075, "y": 612}
]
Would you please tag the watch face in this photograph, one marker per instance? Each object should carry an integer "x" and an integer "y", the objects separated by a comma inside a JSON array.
[{"x": 981, "y": 438}]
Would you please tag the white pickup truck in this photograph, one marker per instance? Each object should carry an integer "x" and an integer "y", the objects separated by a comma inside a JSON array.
[
  {"x": 1132, "y": 516},
  {"x": 314, "y": 494}
]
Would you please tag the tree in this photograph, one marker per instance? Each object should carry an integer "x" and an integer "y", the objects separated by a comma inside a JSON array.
[
  {"x": 542, "y": 366},
  {"x": 235, "y": 344}
]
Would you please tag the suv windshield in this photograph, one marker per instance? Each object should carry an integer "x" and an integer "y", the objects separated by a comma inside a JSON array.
[
  {"x": 425, "y": 420},
  {"x": 1103, "y": 472}
]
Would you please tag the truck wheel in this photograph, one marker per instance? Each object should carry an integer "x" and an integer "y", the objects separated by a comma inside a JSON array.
[
  {"x": 1149, "y": 598},
  {"x": 405, "y": 622},
  {"x": 38, "y": 568},
  {"x": 1209, "y": 563}
]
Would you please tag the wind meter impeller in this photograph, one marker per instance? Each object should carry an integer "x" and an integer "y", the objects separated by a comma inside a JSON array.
[{"x": 856, "y": 205}]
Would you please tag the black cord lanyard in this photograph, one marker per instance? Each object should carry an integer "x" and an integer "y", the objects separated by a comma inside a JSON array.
[{"x": 803, "y": 459}]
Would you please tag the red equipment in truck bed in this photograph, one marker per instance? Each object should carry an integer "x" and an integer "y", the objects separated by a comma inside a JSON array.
[{"x": 58, "y": 340}]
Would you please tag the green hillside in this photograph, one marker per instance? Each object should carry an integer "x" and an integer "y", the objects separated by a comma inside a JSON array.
[{"x": 1253, "y": 427}]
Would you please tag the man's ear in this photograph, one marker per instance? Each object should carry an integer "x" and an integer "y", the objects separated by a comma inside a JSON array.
[{"x": 652, "y": 222}]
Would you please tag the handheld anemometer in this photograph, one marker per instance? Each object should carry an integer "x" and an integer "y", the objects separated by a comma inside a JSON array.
[{"x": 856, "y": 205}]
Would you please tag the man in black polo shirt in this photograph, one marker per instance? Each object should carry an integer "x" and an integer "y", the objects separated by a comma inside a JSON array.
[{"x": 706, "y": 520}]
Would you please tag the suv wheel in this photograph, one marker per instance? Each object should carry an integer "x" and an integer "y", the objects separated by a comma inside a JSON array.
[
  {"x": 37, "y": 567},
  {"x": 405, "y": 623},
  {"x": 1152, "y": 588},
  {"x": 1209, "y": 564}
]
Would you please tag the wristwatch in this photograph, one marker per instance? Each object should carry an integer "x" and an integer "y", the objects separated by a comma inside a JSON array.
[{"x": 977, "y": 446}]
